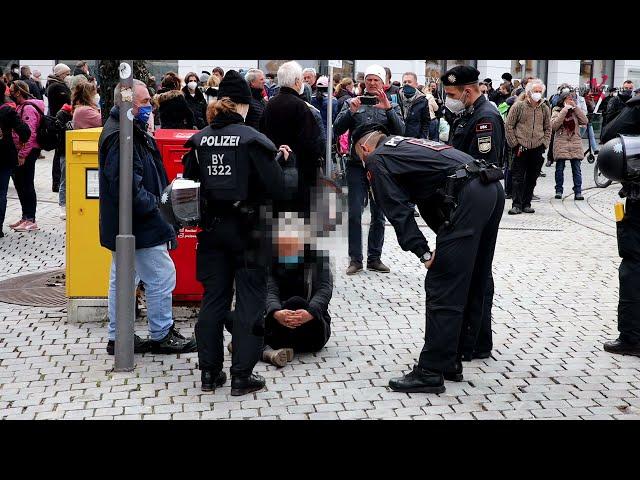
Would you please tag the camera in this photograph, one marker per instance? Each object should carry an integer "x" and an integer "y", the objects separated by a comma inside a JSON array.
[{"x": 368, "y": 99}]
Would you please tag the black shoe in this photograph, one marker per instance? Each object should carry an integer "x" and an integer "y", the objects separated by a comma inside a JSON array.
[
  {"x": 528, "y": 210},
  {"x": 354, "y": 267},
  {"x": 55, "y": 188},
  {"x": 579, "y": 197},
  {"x": 244, "y": 385},
  {"x": 139, "y": 345},
  {"x": 467, "y": 357},
  {"x": 535, "y": 198},
  {"x": 558, "y": 196},
  {"x": 211, "y": 380},
  {"x": 1, "y": 234},
  {"x": 515, "y": 211},
  {"x": 174, "y": 342},
  {"x": 548, "y": 164},
  {"x": 454, "y": 375},
  {"x": 419, "y": 380},
  {"x": 378, "y": 266},
  {"x": 416, "y": 213},
  {"x": 508, "y": 196},
  {"x": 542, "y": 174},
  {"x": 622, "y": 348}
]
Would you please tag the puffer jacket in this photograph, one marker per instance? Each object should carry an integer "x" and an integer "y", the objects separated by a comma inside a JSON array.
[
  {"x": 29, "y": 115},
  {"x": 567, "y": 145},
  {"x": 10, "y": 122}
]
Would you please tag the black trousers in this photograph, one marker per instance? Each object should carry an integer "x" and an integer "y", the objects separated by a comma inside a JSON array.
[
  {"x": 216, "y": 269},
  {"x": 23, "y": 179},
  {"x": 628, "y": 230},
  {"x": 458, "y": 279},
  {"x": 309, "y": 337},
  {"x": 56, "y": 171},
  {"x": 525, "y": 170}
]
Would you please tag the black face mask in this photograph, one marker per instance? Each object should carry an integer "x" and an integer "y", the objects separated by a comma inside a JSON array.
[{"x": 624, "y": 93}]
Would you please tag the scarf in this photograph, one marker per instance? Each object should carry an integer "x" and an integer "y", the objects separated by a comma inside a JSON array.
[{"x": 569, "y": 124}]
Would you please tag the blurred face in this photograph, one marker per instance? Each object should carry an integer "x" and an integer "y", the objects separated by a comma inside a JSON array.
[
  {"x": 191, "y": 78},
  {"x": 483, "y": 89},
  {"x": 628, "y": 86},
  {"x": 349, "y": 87},
  {"x": 259, "y": 81},
  {"x": 309, "y": 78},
  {"x": 432, "y": 87},
  {"x": 141, "y": 98},
  {"x": 409, "y": 80},
  {"x": 373, "y": 82}
]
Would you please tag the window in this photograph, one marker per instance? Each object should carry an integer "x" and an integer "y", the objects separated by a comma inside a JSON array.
[
  {"x": 530, "y": 68},
  {"x": 596, "y": 69}
]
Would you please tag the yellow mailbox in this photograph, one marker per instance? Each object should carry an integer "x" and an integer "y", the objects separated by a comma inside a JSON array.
[{"x": 88, "y": 263}]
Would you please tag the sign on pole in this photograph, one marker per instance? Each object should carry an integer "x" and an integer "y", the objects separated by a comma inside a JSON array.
[{"x": 335, "y": 63}]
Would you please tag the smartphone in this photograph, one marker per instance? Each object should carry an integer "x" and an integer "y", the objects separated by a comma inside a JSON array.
[{"x": 368, "y": 99}]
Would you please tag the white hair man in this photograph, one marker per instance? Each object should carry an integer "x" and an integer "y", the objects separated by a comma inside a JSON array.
[
  {"x": 255, "y": 79},
  {"x": 528, "y": 131},
  {"x": 310, "y": 76}
]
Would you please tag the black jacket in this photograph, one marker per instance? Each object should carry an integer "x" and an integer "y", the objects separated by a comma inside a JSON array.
[
  {"x": 627, "y": 122},
  {"x": 33, "y": 87},
  {"x": 416, "y": 116},
  {"x": 256, "y": 108},
  {"x": 58, "y": 94},
  {"x": 173, "y": 111},
  {"x": 614, "y": 108},
  {"x": 10, "y": 121},
  {"x": 149, "y": 180},
  {"x": 64, "y": 118},
  {"x": 405, "y": 171},
  {"x": 343, "y": 97},
  {"x": 198, "y": 105},
  {"x": 310, "y": 280},
  {"x": 288, "y": 120}
]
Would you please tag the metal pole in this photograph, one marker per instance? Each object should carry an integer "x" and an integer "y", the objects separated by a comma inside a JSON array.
[
  {"x": 329, "y": 124},
  {"x": 125, "y": 241}
]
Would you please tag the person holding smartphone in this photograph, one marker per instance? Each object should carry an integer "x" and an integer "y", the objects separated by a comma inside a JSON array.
[{"x": 374, "y": 106}]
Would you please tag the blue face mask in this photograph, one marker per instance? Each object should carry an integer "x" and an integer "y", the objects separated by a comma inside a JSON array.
[
  {"x": 408, "y": 91},
  {"x": 289, "y": 259},
  {"x": 144, "y": 113}
]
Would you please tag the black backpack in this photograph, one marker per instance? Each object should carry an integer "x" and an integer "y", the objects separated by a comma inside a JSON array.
[{"x": 49, "y": 130}]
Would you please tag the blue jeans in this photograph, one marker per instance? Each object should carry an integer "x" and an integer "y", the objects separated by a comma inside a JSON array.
[
  {"x": 155, "y": 268},
  {"x": 358, "y": 191},
  {"x": 62, "y": 193},
  {"x": 5, "y": 174},
  {"x": 577, "y": 175}
]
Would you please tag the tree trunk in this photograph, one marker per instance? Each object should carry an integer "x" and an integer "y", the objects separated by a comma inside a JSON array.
[{"x": 110, "y": 78}]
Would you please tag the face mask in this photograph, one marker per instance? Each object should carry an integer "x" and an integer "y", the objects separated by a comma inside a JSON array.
[
  {"x": 408, "y": 91},
  {"x": 564, "y": 90},
  {"x": 192, "y": 85},
  {"x": 454, "y": 105},
  {"x": 289, "y": 259},
  {"x": 486, "y": 95},
  {"x": 144, "y": 113},
  {"x": 625, "y": 93},
  {"x": 301, "y": 91},
  {"x": 96, "y": 100},
  {"x": 536, "y": 97}
]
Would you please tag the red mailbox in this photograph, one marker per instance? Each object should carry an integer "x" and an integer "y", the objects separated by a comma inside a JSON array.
[{"x": 171, "y": 146}]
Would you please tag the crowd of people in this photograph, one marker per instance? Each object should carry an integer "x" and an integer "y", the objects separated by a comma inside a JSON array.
[{"x": 508, "y": 129}]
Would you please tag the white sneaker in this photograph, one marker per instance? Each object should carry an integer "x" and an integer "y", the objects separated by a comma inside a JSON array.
[{"x": 63, "y": 212}]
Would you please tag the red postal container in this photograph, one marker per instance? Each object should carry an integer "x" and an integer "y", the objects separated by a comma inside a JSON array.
[{"x": 188, "y": 289}]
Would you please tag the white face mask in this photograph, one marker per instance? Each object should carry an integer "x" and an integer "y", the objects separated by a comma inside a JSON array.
[
  {"x": 536, "y": 97},
  {"x": 96, "y": 100},
  {"x": 301, "y": 91},
  {"x": 454, "y": 105},
  {"x": 192, "y": 85}
]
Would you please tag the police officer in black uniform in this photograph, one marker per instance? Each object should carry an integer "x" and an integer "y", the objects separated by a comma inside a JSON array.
[
  {"x": 462, "y": 201},
  {"x": 237, "y": 169},
  {"x": 619, "y": 159},
  {"x": 478, "y": 130}
]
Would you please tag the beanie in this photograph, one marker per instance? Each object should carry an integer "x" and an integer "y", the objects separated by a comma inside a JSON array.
[
  {"x": 376, "y": 70},
  {"x": 235, "y": 87}
]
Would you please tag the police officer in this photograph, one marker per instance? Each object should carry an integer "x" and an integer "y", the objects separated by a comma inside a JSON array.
[
  {"x": 478, "y": 130},
  {"x": 237, "y": 169},
  {"x": 628, "y": 228},
  {"x": 462, "y": 201}
]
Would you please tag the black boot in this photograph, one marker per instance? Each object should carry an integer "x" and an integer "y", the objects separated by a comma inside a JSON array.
[
  {"x": 418, "y": 380},
  {"x": 211, "y": 380},
  {"x": 244, "y": 385},
  {"x": 454, "y": 375},
  {"x": 174, "y": 342},
  {"x": 139, "y": 345},
  {"x": 622, "y": 348}
]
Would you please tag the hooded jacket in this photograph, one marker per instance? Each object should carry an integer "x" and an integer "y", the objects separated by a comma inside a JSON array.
[
  {"x": 149, "y": 181},
  {"x": 58, "y": 94},
  {"x": 198, "y": 105},
  {"x": 173, "y": 110},
  {"x": 11, "y": 123},
  {"x": 416, "y": 115},
  {"x": 29, "y": 115}
]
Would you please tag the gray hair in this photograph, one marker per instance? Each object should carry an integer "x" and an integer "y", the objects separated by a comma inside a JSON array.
[
  {"x": 252, "y": 75},
  {"x": 312, "y": 70},
  {"x": 116, "y": 91},
  {"x": 288, "y": 73},
  {"x": 535, "y": 81}
]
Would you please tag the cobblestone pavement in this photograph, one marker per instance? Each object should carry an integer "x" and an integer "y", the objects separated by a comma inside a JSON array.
[{"x": 555, "y": 303}]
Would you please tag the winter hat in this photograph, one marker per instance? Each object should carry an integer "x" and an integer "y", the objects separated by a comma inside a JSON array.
[
  {"x": 234, "y": 86},
  {"x": 204, "y": 77},
  {"x": 61, "y": 68},
  {"x": 376, "y": 70},
  {"x": 323, "y": 81}
]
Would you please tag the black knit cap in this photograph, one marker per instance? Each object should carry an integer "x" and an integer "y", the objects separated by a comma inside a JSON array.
[
  {"x": 507, "y": 76},
  {"x": 235, "y": 87},
  {"x": 460, "y": 75},
  {"x": 363, "y": 129}
]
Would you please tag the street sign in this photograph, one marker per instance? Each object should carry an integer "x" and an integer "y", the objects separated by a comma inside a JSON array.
[{"x": 335, "y": 63}]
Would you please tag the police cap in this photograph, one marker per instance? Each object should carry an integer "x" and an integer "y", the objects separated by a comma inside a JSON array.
[
  {"x": 460, "y": 75},
  {"x": 366, "y": 128}
]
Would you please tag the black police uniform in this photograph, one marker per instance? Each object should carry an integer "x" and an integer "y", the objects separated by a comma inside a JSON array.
[
  {"x": 404, "y": 170},
  {"x": 237, "y": 169},
  {"x": 478, "y": 131},
  {"x": 628, "y": 233}
]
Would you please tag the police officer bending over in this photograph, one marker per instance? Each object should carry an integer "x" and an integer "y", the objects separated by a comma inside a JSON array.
[
  {"x": 479, "y": 131},
  {"x": 462, "y": 201},
  {"x": 237, "y": 169}
]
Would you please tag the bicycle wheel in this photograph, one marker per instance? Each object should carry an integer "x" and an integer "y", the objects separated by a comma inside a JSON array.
[{"x": 599, "y": 179}]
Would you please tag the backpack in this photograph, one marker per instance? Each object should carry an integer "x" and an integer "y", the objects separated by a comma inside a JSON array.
[{"x": 48, "y": 131}]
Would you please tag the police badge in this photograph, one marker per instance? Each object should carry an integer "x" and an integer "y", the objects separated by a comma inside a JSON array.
[{"x": 484, "y": 144}]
